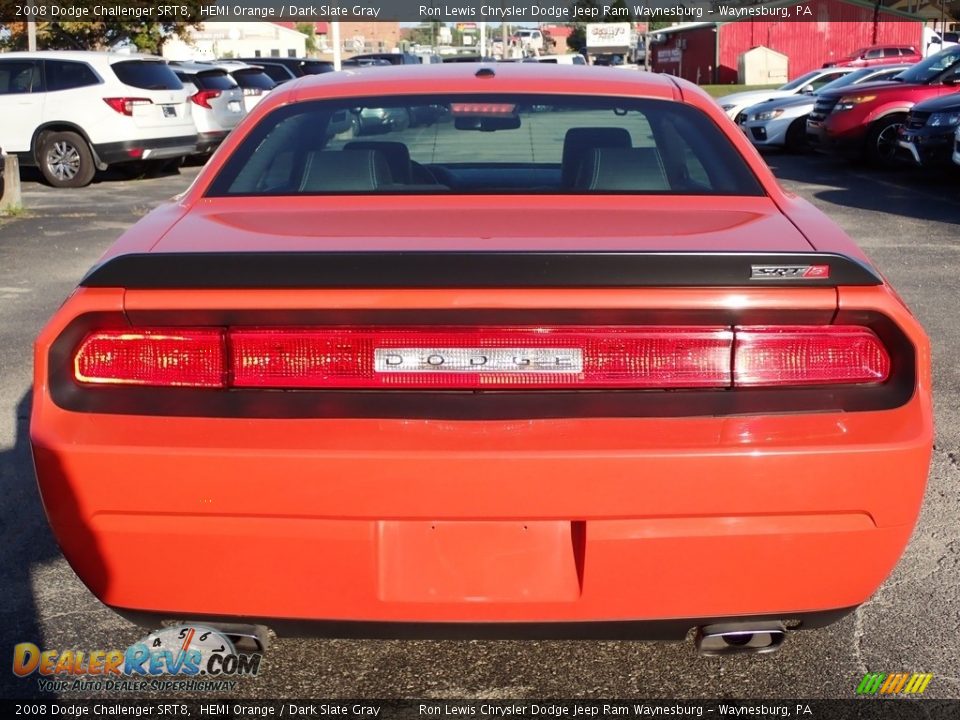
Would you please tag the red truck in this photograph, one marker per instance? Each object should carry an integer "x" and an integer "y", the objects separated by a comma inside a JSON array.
[{"x": 864, "y": 121}]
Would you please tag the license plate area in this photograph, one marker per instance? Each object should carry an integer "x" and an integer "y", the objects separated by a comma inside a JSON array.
[
  {"x": 234, "y": 106},
  {"x": 480, "y": 561},
  {"x": 169, "y": 111}
]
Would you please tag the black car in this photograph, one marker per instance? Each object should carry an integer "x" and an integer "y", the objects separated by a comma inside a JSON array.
[
  {"x": 927, "y": 135},
  {"x": 297, "y": 67},
  {"x": 390, "y": 58}
]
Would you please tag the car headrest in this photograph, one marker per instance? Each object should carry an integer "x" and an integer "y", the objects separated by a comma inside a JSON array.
[
  {"x": 396, "y": 153},
  {"x": 634, "y": 169},
  {"x": 579, "y": 141},
  {"x": 338, "y": 171}
]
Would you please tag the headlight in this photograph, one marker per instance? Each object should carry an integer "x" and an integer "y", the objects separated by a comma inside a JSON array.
[
  {"x": 768, "y": 114},
  {"x": 848, "y": 102},
  {"x": 950, "y": 119}
]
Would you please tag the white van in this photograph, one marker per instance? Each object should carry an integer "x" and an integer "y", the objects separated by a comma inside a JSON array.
[
  {"x": 566, "y": 59},
  {"x": 74, "y": 112}
]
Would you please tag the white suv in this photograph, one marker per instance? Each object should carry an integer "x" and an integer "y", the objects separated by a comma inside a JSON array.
[{"x": 72, "y": 113}]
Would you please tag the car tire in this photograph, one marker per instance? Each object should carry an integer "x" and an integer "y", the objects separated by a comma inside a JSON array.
[
  {"x": 796, "y": 138},
  {"x": 881, "y": 148},
  {"x": 65, "y": 159}
]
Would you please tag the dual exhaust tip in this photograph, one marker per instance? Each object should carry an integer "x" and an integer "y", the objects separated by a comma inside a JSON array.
[
  {"x": 732, "y": 638},
  {"x": 740, "y": 638}
]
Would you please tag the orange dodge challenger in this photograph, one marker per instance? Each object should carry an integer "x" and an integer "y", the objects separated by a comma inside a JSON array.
[{"x": 485, "y": 350}]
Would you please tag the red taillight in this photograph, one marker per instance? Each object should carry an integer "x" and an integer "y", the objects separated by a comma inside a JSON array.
[
  {"x": 159, "y": 357},
  {"x": 808, "y": 356},
  {"x": 125, "y": 105},
  {"x": 560, "y": 357},
  {"x": 203, "y": 97},
  {"x": 491, "y": 358}
]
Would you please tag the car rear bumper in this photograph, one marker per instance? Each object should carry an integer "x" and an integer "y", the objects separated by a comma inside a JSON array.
[
  {"x": 675, "y": 630},
  {"x": 146, "y": 149},
  {"x": 207, "y": 142},
  {"x": 595, "y": 530}
]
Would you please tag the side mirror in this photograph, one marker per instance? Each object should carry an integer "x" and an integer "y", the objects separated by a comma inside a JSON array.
[{"x": 807, "y": 89}]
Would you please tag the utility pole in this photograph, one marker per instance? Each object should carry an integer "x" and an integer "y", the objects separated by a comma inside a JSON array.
[
  {"x": 337, "y": 48},
  {"x": 483, "y": 39},
  {"x": 32, "y": 35}
]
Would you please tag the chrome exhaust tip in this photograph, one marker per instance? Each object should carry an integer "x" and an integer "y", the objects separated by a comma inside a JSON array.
[
  {"x": 245, "y": 638},
  {"x": 739, "y": 638}
]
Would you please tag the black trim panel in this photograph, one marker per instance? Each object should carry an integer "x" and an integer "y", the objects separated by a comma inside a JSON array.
[
  {"x": 675, "y": 630},
  {"x": 390, "y": 270},
  {"x": 470, "y": 405}
]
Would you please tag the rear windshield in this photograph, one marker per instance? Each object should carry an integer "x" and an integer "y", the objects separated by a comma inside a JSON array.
[
  {"x": 146, "y": 75},
  {"x": 475, "y": 144},
  {"x": 253, "y": 78},
  {"x": 316, "y": 68},
  {"x": 213, "y": 80}
]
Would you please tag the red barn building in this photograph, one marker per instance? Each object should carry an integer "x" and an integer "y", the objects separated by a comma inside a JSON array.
[{"x": 709, "y": 52}]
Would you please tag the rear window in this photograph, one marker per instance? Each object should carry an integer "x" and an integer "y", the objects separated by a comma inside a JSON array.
[
  {"x": 316, "y": 68},
  {"x": 278, "y": 72},
  {"x": 213, "y": 80},
  {"x": 472, "y": 144},
  {"x": 146, "y": 75},
  {"x": 253, "y": 79}
]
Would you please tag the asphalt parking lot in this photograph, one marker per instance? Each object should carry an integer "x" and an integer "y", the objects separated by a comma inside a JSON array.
[{"x": 908, "y": 222}]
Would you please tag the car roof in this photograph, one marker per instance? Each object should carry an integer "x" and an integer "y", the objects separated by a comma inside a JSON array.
[
  {"x": 97, "y": 56},
  {"x": 197, "y": 67},
  {"x": 482, "y": 77}
]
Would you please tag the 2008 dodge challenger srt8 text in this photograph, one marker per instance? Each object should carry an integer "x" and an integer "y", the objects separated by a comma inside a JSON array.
[{"x": 549, "y": 354}]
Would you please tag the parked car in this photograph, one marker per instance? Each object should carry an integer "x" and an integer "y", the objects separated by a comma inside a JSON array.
[
  {"x": 528, "y": 39},
  {"x": 956, "y": 147},
  {"x": 865, "y": 121},
  {"x": 927, "y": 136},
  {"x": 396, "y": 58},
  {"x": 275, "y": 71},
  {"x": 297, "y": 66},
  {"x": 783, "y": 122},
  {"x": 808, "y": 83},
  {"x": 72, "y": 113},
  {"x": 878, "y": 55},
  {"x": 217, "y": 102},
  {"x": 365, "y": 62},
  {"x": 251, "y": 79},
  {"x": 565, "y": 59},
  {"x": 376, "y": 120},
  {"x": 614, "y": 382}
]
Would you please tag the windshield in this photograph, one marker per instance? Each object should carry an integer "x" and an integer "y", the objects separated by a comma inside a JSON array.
[
  {"x": 476, "y": 144},
  {"x": 926, "y": 70},
  {"x": 800, "y": 81},
  {"x": 854, "y": 77}
]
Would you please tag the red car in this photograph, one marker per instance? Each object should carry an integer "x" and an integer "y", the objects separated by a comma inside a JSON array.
[
  {"x": 568, "y": 362},
  {"x": 878, "y": 55},
  {"x": 865, "y": 121}
]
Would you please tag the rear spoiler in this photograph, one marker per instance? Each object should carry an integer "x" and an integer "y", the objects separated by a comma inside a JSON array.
[{"x": 393, "y": 270}]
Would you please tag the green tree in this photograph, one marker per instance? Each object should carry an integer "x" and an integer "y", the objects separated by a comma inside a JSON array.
[
  {"x": 310, "y": 30},
  {"x": 146, "y": 36}
]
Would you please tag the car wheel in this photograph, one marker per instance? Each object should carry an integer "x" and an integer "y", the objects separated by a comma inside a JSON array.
[
  {"x": 796, "y": 139},
  {"x": 66, "y": 160},
  {"x": 882, "y": 140}
]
